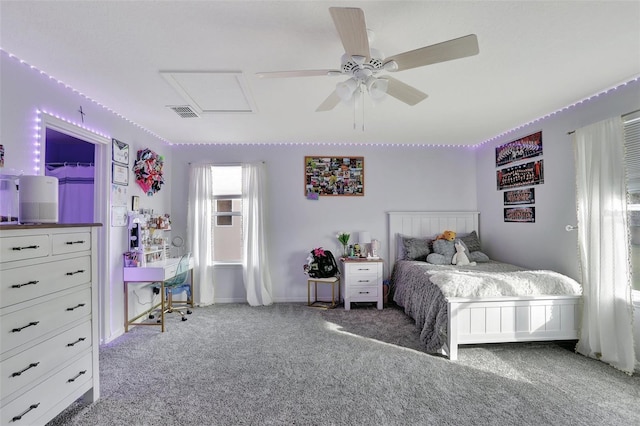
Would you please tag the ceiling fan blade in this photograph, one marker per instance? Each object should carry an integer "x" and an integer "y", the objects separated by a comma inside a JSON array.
[
  {"x": 441, "y": 52},
  {"x": 403, "y": 92},
  {"x": 300, "y": 73},
  {"x": 352, "y": 28},
  {"x": 329, "y": 103}
]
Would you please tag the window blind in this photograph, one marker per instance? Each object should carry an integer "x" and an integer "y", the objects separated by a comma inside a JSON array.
[{"x": 632, "y": 147}]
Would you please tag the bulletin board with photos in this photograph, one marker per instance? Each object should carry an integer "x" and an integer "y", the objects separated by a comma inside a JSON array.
[{"x": 333, "y": 176}]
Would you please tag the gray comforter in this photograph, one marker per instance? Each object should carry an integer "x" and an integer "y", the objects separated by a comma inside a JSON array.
[{"x": 424, "y": 302}]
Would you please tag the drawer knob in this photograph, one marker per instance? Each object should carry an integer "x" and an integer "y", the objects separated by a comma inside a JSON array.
[
  {"x": 22, "y": 285},
  {"x": 79, "y": 271},
  {"x": 19, "y": 329},
  {"x": 74, "y": 242},
  {"x": 32, "y": 365},
  {"x": 79, "y": 305},
  {"x": 81, "y": 339},
  {"x": 19, "y": 416},
  {"x": 73, "y": 379},
  {"x": 24, "y": 248}
]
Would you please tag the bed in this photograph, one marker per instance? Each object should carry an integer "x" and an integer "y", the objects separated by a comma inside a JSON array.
[{"x": 447, "y": 321}]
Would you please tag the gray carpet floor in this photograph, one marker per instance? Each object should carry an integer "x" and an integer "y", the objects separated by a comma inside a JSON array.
[{"x": 289, "y": 364}]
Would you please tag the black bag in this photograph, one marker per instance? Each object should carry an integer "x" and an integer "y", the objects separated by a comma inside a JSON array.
[{"x": 323, "y": 265}]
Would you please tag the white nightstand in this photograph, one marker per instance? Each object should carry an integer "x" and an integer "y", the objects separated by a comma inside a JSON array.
[{"x": 362, "y": 281}]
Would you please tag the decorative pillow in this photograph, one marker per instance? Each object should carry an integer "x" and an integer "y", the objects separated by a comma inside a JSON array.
[
  {"x": 438, "y": 259},
  {"x": 444, "y": 248},
  {"x": 472, "y": 241},
  {"x": 416, "y": 248},
  {"x": 478, "y": 256}
]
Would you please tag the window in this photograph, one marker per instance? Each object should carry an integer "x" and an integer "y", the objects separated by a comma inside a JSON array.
[
  {"x": 227, "y": 214},
  {"x": 632, "y": 158}
]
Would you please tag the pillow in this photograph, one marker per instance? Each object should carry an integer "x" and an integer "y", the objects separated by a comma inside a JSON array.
[
  {"x": 478, "y": 256},
  {"x": 444, "y": 248},
  {"x": 416, "y": 248},
  {"x": 471, "y": 241}
]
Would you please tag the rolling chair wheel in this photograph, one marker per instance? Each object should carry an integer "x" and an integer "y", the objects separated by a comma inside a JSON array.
[
  {"x": 184, "y": 318},
  {"x": 188, "y": 312},
  {"x": 151, "y": 316}
]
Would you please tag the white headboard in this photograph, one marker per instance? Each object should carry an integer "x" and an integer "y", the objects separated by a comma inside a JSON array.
[{"x": 427, "y": 224}]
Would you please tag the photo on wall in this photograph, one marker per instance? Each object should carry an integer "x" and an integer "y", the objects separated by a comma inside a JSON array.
[
  {"x": 521, "y": 149},
  {"x": 520, "y": 196},
  {"x": 520, "y": 214},
  {"x": 521, "y": 175}
]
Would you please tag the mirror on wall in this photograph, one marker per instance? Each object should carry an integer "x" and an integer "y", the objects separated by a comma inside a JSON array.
[{"x": 73, "y": 162}]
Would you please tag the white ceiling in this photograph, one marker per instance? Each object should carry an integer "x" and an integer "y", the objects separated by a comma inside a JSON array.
[{"x": 535, "y": 58}]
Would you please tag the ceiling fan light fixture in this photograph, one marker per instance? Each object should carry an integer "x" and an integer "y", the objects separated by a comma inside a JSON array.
[
  {"x": 390, "y": 66},
  {"x": 345, "y": 89},
  {"x": 377, "y": 87}
]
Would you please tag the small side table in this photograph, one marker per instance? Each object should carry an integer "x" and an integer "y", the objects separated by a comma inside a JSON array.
[
  {"x": 362, "y": 279},
  {"x": 334, "y": 282}
]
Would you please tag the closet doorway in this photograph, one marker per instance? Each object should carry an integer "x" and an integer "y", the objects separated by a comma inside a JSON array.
[{"x": 64, "y": 142}]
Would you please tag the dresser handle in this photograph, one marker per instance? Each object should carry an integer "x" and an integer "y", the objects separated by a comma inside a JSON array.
[
  {"x": 74, "y": 242},
  {"x": 17, "y": 373},
  {"x": 81, "y": 339},
  {"x": 24, "y": 248},
  {"x": 19, "y": 416},
  {"x": 79, "y": 271},
  {"x": 32, "y": 323},
  {"x": 363, "y": 281},
  {"x": 79, "y": 305},
  {"x": 363, "y": 292},
  {"x": 73, "y": 379},
  {"x": 22, "y": 285}
]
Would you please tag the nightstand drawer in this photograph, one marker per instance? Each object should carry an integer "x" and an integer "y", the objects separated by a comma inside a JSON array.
[
  {"x": 360, "y": 280},
  {"x": 362, "y": 268},
  {"x": 368, "y": 293}
]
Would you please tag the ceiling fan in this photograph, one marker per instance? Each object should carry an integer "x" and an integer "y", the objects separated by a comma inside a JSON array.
[{"x": 363, "y": 65}]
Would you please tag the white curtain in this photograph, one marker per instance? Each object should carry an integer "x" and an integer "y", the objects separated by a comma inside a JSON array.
[
  {"x": 606, "y": 331},
  {"x": 255, "y": 264},
  {"x": 199, "y": 237}
]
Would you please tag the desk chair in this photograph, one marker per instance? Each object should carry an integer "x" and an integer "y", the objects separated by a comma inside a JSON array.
[{"x": 176, "y": 285}]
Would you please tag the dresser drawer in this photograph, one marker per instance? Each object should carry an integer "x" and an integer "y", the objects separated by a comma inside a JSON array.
[
  {"x": 21, "y": 284},
  {"x": 22, "y": 326},
  {"x": 24, "y": 247},
  {"x": 73, "y": 242},
  {"x": 33, "y": 404},
  {"x": 27, "y": 367}
]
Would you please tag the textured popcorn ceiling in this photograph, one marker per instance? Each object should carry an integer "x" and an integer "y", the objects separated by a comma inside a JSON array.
[{"x": 535, "y": 58}]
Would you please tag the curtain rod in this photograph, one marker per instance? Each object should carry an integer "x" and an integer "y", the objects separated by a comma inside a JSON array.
[
  {"x": 623, "y": 116},
  {"x": 223, "y": 164}
]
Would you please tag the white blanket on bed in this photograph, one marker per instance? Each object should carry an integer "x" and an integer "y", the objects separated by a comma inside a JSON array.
[{"x": 490, "y": 284}]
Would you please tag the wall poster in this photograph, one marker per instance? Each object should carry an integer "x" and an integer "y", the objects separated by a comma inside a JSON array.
[
  {"x": 520, "y": 214},
  {"x": 520, "y": 196},
  {"x": 526, "y": 147},
  {"x": 333, "y": 176},
  {"x": 521, "y": 175}
]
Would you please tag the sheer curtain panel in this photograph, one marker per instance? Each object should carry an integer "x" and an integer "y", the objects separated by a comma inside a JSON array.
[
  {"x": 255, "y": 264},
  {"x": 199, "y": 214},
  {"x": 606, "y": 331}
]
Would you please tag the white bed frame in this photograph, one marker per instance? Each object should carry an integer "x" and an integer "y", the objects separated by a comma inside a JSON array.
[{"x": 488, "y": 320}]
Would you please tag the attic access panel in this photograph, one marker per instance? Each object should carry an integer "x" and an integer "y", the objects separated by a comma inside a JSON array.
[{"x": 211, "y": 92}]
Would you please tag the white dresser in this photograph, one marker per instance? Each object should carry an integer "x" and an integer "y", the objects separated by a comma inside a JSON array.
[
  {"x": 362, "y": 281},
  {"x": 48, "y": 320}
]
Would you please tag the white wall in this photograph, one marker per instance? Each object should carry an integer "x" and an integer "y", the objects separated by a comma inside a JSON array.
[
  {"x": 396, "y": 178},
  {"x": 546, "y": 244},
  {"x": 24, "y": 90}
]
